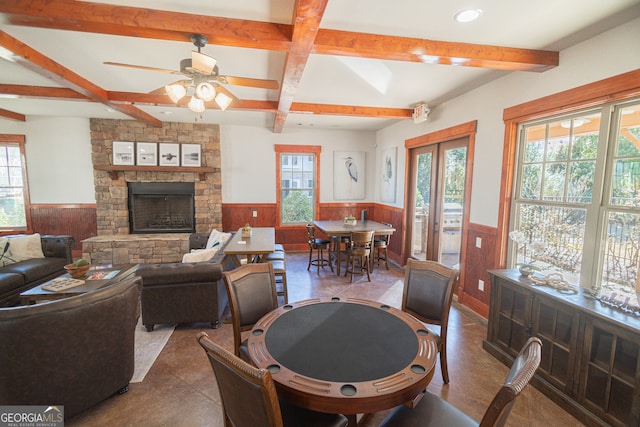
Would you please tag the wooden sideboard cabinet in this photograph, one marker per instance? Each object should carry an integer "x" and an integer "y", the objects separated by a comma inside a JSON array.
[{"x": 590, "y": 362}]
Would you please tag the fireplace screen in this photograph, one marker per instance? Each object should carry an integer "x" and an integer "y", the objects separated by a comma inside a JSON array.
[{"x": 161, "y": 207}]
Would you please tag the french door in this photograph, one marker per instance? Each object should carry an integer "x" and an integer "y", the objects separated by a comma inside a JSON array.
[{"x": 437, "y": 178}]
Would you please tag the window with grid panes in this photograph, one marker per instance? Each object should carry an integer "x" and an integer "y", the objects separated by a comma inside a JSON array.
[{"x": 577, "y": 198}]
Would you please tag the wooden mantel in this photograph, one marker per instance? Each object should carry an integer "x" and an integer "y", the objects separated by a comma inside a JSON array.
[{"x": 114, "y": 170}]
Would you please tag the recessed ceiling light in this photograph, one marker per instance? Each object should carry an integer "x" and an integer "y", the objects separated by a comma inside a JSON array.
[{"x": 468, "y": 15}]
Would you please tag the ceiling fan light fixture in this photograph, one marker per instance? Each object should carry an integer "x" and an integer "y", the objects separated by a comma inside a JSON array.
[
  {"x": 206, "y": 91},
  {"x": 223, "y": 100},
  {"x": 175, "y": 92},
  {"x": 196, "y": 104}
]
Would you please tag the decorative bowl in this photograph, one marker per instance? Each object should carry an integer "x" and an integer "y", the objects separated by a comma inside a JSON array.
[{"x": 77, "y": 272}]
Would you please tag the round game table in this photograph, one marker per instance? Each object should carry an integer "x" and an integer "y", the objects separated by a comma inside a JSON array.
[{"x": 344, "y": 355}]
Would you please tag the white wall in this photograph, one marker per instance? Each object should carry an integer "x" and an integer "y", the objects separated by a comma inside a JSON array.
[
  {"x": 249, "y": 160},
  {"x": 611, "y": 53},
  {"x": 58, "y": 155}
]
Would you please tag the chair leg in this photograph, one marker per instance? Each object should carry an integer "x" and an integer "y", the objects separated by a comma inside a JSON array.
[
  {"x": 366, "y": 266},
  {"x": 443, "y": 364},
  {"x": 386, "y": 260},
  {"x": 310, "y": 254}
]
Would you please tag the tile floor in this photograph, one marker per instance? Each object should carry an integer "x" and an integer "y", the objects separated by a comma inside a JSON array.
[{"x": 180, "y": 389}]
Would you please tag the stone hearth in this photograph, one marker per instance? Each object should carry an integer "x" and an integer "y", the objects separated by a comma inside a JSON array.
[{"x": 135, "y": 248}]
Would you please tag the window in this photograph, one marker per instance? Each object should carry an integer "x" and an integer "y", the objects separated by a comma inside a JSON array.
[
  {"x": 297, "y": 181},
  {"x": 13, "y": 197},
  {"x": 577, "y": 197}
]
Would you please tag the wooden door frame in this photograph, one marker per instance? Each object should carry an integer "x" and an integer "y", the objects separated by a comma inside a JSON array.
[{"x": 464, "y": 130}]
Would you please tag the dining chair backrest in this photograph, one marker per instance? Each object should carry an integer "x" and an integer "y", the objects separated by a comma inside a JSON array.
[
  {"x": 249, "y": 398},
  {"x": 252, "y": 293},
  {"x": 523, "y": 368},
  {"x": 311, "y": 232},
  {"x": 427, "y": 295},
  {"x": 248, "y": 394},
  {"x": 428, "y": 291},
  {"x": 434, "y": 411},
  {"x": 361, "y": 240}
]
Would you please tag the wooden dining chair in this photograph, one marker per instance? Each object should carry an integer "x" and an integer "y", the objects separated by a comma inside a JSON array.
[
  {"x": 248, "y": 395},
  {"x": 380, "y": 245},
  {"x": 320, "y": 246},
  {"x": 252, "y": 293},
  {"x": 427, "y": 295},
  {"x": 433, "y": 411},
  {"x": 359, "y": 253}
]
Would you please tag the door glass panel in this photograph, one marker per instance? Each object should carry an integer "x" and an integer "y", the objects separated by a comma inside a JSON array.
[
  {"x": 452, "y": 205},
  {"x": 420, "y": 235}
]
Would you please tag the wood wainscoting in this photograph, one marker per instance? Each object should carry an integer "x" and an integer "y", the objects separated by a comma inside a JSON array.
[
  {"x": 77, "y": 220},
  {"x": 235, "y": 215},
  {"x": 478, "y": 261}
]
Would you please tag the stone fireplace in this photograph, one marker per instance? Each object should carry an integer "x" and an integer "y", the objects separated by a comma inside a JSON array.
[{"x": 112, "y": 185}]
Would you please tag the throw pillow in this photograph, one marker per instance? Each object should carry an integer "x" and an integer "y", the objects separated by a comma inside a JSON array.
[
  {"x": 26, "y": 247},
  {"x": 200, "y": 255},
  {"x": 6, "y": 257},
  {"x": 217, "y": 238}
]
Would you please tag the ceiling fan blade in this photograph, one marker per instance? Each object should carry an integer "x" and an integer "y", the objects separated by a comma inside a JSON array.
[
  {"x": 142, "y": 67},
  {"x": 245, "y": 81},
  {"x": 202, "y": 63}
]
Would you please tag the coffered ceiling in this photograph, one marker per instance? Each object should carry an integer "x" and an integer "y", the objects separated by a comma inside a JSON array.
[{"x": 357, "y": 64}]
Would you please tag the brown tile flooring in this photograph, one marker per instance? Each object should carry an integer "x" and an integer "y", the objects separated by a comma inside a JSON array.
[{"x": 180, "y": 389}]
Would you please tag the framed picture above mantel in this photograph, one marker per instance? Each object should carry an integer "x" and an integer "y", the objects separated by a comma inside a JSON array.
[
  {"x": 123, "y": 153},
  {"x": 169, "y": 154},
  {"x": 191, "y": 154}
]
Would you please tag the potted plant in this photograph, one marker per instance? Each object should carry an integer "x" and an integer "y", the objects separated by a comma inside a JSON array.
[
  {"x": 350, "y": 220},
  {"x": 246, "y": 231}
]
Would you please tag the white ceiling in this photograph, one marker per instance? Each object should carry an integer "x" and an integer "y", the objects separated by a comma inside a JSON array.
[{"x": 340, "y": 80}]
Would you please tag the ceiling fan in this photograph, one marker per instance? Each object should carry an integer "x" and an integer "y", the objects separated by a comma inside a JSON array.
[{"x": 204, "y": 83}]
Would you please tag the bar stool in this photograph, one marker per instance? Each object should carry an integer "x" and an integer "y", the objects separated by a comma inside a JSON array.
[
  {"x": 380, "y": 245},
  {"x": 280, "y": 273},
  {"x": 320, "y": 246},
  {"x": 360, "y": 251}
]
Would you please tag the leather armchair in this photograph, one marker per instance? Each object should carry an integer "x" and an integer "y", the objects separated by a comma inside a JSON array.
[
  {"x": 185, "y": 292},
  {"x": 74, "y": 352}
]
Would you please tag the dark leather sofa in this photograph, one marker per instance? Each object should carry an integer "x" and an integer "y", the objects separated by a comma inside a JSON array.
[
  {"x": 74, "y": 352},
  {"x": 185, "y": 292},
  {"x": 24, "y": 275}
]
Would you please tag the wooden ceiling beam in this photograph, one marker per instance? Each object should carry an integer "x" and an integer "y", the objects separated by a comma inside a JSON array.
[
  {"x": 132, "y": 98},
  {"x": 307, "y": 15},
  {"x": 165, "y": 25},
  {"x": 375, "y": 46},
  {"x": 146, "y": 23},
  {"x": 41, "y": 92},
  {"x": 351, "y": 110},
  {"x": 38, "y": 63},
  {"x": 268, "y": 106},
  {"x": 11, "y": 115}
]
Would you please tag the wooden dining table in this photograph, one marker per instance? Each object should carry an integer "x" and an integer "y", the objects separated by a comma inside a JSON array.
[
  {"x": 254, "y": 248},
  {"x": 338, "y": 229},
  {"x": 344, "y": 355}
]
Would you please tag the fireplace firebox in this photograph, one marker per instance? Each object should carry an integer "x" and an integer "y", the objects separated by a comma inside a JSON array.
[{"x": 161, "y": 207}]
